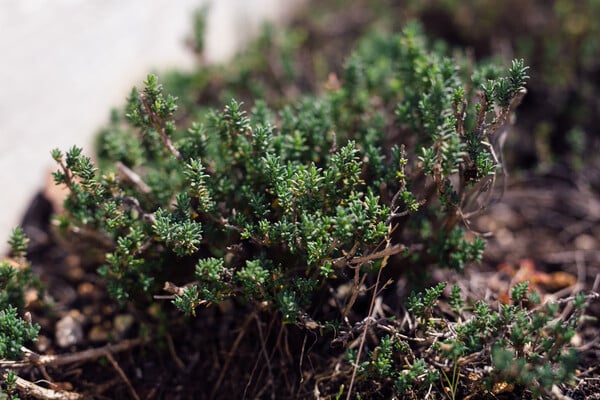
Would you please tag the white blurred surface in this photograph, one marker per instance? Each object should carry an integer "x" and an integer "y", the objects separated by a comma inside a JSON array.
[{"x": 65, "y": 63}]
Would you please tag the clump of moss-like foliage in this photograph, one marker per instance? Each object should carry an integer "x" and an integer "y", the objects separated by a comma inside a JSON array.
[
  {"x": 389, "y": 161},
  {"x": 560, "y": 40},
  {"x": 15, "y": 278},
  {"x": 305, "y": 212}
]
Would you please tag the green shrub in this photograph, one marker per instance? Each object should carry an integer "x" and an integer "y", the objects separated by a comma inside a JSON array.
[
  {"x": 269, "y": 205},
  {"x": 280, "y": 203},
  {"x": 15, "y": 279},
  {"x": 558, "y": 38},
  {"x": 524, "y": 343},
  {"x": 14, "y": 332},
  {"x": 561, "y": 41}
]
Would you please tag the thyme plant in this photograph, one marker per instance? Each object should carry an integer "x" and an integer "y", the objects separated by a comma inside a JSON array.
[
  {"x": 521, "y": 347},
  {"x": 16, "y": 329},
  {"x": 275, "y": 204},
  {"x": 268, "y": 204}
]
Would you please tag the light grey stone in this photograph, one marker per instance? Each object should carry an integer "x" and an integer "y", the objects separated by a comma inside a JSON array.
[{"x": 68, "y": 331}]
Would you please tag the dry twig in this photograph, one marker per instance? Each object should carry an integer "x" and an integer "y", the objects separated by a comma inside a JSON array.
[
  {"x": 233, "y": 350},
  {"x": 130, "y": 175},
  {"x": 386, "y": 253},
  {"x": 160, "y": 128},
  {"x": 33, "y": 359},
  {"x": 171, "y": 346},
  {"x": 123, "y": 376},
  {"x": 31, "y": 389}
]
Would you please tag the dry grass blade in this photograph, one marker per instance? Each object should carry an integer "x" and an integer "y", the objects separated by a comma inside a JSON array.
[
  {"x": 231, "y": 353},
  {"x": 123, "y": 376},
  {"x": 387, "y": 252}
]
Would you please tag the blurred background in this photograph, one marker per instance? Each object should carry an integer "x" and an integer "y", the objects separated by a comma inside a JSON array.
[{"x": 65, "y": 63}]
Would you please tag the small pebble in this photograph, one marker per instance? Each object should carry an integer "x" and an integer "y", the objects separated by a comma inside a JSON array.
[
  {"x": 98, "y": 334},
  {"x": 68, "y": 331},
  {"x": 108, "y": 309},
  {"x": 122, "y": 323},
  {"x": 31, "y": 297},
  {"x": 504, "y": 237},
  {"x": 85, "y": 289},
  {"x": 577, "y": 340},
  {"x": 585, "y": 242},
  {"x": 75, "y": 272},
  {"x": 42, "y": 344}
]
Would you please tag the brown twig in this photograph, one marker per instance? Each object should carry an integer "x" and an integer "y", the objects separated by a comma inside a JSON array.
[
  {"x": 232, "y": 351},
  {"x": 122, "y": 374},
  {"x": 32, "y": 359},
  {"x": 130, "y": 175},
  {"x": 31, "y": 389},
  {"x": 98, "y": 238},
  {"x": 482, "y": 111},
  {"x": 171, "y": 346},
  {"x": 68, "y": 175},
  {"x": 596, "y": 283},
  {"x": 134, "y": 203},
  {"x": 356, "y": 289},
  {"x": 354, "y": 261},
  {"x": 160, "y": 128},
  {"x": 387, "y": 253},
  {"x": 508, "y": 111},
  {"x": 258, "y": 363},
  {"x": 100, "y": 388},
  {"x": 565, "y": 300},
  {"x": 263, "y": 350},
  {"x": 364, "y": 335}
]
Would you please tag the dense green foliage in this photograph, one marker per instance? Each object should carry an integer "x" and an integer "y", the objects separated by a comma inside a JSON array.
[
  {"x": 525, "y": 343},
  {"x": 15, "y": 279},
  {"x": 271, "y": 203},
  {"x": 300, "y": 189},
  {"x": 291, "y": 196},
  {"x": 561, "y": 41},
  {"x": 14, "y": 331}
]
